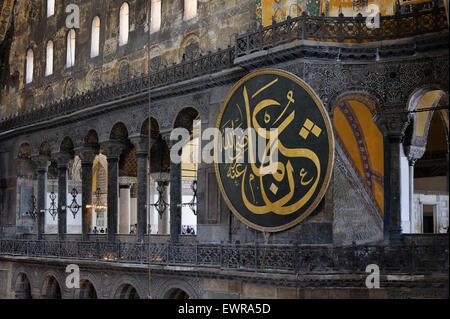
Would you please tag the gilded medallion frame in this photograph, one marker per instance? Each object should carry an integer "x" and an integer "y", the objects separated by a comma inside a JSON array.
[{"x": 331, "y": 150}]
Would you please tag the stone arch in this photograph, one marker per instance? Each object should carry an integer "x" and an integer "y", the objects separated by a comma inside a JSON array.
[
  {"x": 185, "y": 118},
  {"x": 176, "y": 293},
  {"x": 95, "y": 78},
  {"x": 86, "y": 291},
  {"x": 122, "y": 69},
  {"x": 45, "y": 149},
  {"x": 28, "y": 102},
  {"x": 51, "y": 288},
  {"x": 48, "y": 97},
  {"x": 119, "y": 131},
  {"x": 127, "y": 291},
  {"x": 146, "y": 126},
  {"x": 67, "y": 145},
  {"x": 70, "y": 88},
  {"x": 178, "y": 288},
  {"x": 157, "y": 60},
  {"x": 417, "y": 131},
  {"x": 91, "y": 138},
  {"x": 22, "y": 287},
  {"x": 362, "y": 142},
  {"x": 190, "y": 47}
]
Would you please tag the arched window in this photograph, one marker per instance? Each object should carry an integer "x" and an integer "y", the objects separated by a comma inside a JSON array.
[
  {"x": 124, "y": 24},
  {"x": 190, "y": 9},
  {"x": 95, "y": 37},
  {"x": 29, "y": 67},
  {"x": 50, "y": 8},
  {"x": 70, "y": 48},
  {"x": 156, "y": 15},
  {"x": 49, "y": 59}
]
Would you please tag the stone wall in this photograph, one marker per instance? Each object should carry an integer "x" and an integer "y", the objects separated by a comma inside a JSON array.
[{"x": 214, "y": 27}]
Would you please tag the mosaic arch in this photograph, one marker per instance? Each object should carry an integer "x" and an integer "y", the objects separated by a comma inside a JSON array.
[{"x": 362, "y": 142}]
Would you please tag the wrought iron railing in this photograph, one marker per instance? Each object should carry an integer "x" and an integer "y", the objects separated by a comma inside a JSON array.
[
  {"x": 338, "y": 29},
  {"x": 207, "y": 64},
  {"x": 290, "y": 259},
  {"x": 342, "y": 29}
]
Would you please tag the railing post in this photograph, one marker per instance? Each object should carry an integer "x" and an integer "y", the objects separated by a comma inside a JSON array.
[
  {"x": 304, "y": 17},
  {"x": 289, "y": 29},
  {"x": 274, "y": 33},
  {"x": 340, "y": 34},
  {"x": 322, "y": 27}
]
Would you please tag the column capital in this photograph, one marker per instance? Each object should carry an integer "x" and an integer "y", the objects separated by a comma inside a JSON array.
[
  {"x": 395, "y": 121},
  {"x": 414, "y": 153},
  {"x": 42, "y": 162},
  {"x": 166, "y": 137},
  {"x": 142, "y": 144},
  {"x": 86, "y": 154},
  {"x": 112, "y": 148},
  {"x": 62, "y": 158}
]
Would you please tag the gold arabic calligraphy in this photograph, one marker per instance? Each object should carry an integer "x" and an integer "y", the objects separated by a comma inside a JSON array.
[{"x": 277, "y": 169}]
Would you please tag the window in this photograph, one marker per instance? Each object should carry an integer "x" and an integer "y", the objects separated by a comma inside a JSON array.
[
  {"x": 70, "y": 48},
  {"x": 29, "y": 67},
  {"x": 156, "y": 15},
  {"x": 50, "y": 8},
  {"x": 49, "y": 59},
  {"x": 190, "y": 9},
  {"x": 124, "y": 24},
  {"x": 95, "y": 37}
]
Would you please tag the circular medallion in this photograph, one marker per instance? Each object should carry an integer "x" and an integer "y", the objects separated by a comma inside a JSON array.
[{"x": 274, "y": 150}]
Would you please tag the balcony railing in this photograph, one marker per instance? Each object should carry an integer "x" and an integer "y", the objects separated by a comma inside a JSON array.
[
  {"x": 290, "y": 259},
  {"x": 342, "y": 29},
  {"x": 337, "y": 29}
]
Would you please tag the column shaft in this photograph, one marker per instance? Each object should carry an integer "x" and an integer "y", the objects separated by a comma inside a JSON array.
[
  {"x": 141, "y": 196},
  {"x": 395, "y": 228},
  {"x": 175, "y": 202},
  {"x": 113, "y": 193},
  {"x": 41, "y": 201},
  {"x": 62, "y": 201},
  {"x": 86, "y": 198}
]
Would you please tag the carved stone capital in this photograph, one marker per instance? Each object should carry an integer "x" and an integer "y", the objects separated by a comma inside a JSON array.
[
  {"x": 42, "y": 162},
  {"x": 86, "y": 154},
  {"x": 142, "y": 144},
  {"x": 62, "y": 158},
  {"x": 113, "y": 149},
  {"x": 414, "y": 153},
  {"x": 396, "y": 122},
  {"x": 166, "y": 137}
]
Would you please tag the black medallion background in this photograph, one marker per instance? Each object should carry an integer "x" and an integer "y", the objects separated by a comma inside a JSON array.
[{"x": 308, "y": 130}]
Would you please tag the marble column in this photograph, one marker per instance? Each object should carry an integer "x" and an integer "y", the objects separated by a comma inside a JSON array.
[
  {"x": 175, "y": 194},
  {"x": 163, "y": 218},
  {"x": 124, "y": 212},
  {"x": 142, "y": 145},
  {"x": 396, "y": 122},
  {"x": 42, "y": 163},
  {"x": 113, "y": 150},
  {"x": 413, "y": 153},
  {"x": 62, "y": 160},
  {"x": 87, "y": 156}
]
